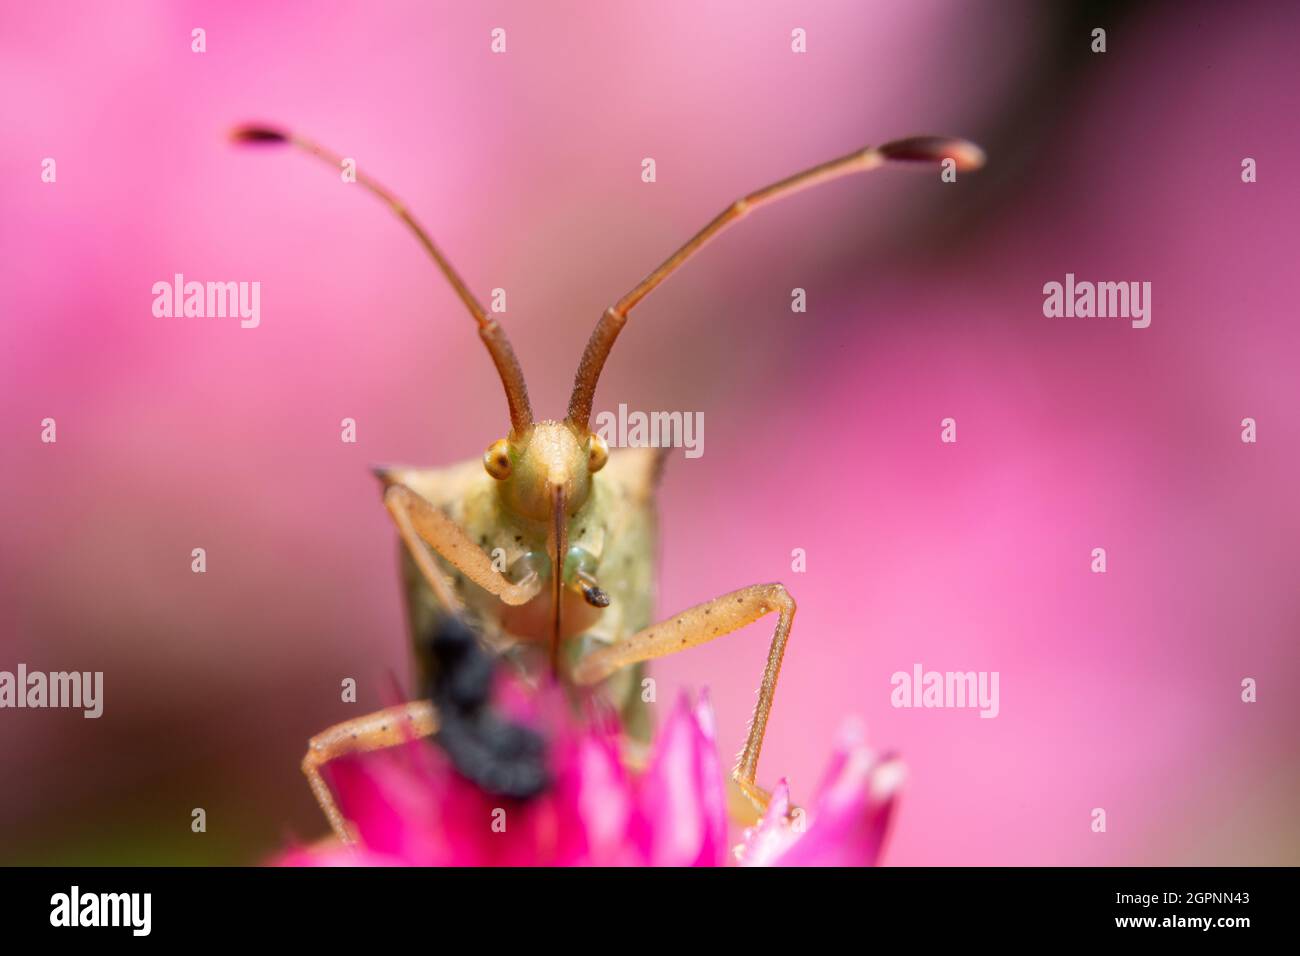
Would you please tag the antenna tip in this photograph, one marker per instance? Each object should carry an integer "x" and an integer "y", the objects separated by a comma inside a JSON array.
[
  {"x": 253, "y": 133},
  {"x": 935, "y": 148}
]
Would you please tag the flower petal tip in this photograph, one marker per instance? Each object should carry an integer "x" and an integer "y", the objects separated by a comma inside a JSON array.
[
  {"x": 887, "y": 779},
  {"x": 853, "y": 734}
]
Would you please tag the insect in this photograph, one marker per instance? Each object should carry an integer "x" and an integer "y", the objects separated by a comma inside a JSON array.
[{"x": 571, "y": 523}]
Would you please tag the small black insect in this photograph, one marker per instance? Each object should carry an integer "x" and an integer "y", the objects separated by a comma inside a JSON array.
[{"x": 501, "y": 758}]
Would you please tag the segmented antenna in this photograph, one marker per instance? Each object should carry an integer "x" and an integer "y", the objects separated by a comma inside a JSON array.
[
  {"x": 965, "y": 155},
  {"x": 493, "y": 336}
]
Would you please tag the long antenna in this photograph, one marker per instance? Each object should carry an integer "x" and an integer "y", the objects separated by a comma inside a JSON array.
[
  {"x": 965, "y": 155},
  {"x": 493, "y": 336}
]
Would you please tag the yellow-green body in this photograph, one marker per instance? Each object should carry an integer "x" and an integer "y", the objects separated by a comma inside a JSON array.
[{"x": 616, "y": 524}]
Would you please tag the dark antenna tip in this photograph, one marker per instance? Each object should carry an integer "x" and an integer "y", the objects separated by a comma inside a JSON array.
[
  {"x": 967, "y": 155},
  {"x": 258, "y": 134}
]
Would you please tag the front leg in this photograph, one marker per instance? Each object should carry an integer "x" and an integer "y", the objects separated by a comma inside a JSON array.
[
  {"x": 698, "y": 625},
  {"x": 424, "y": 527}
]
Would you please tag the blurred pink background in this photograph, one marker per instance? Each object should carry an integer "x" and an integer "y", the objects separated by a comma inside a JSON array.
[{"x": 1119, "y": 691}]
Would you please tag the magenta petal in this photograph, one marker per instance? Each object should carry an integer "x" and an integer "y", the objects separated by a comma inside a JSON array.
[
  {"x": 406, "y": 804},
  {"x": 772, "y": 835},
  {"x": 594, "y": 804},
  {"x": 849, "y": 822},
  {"x": 411, "y": 807},
  {"x": 713, "y": 795},
  {"x": 679, "y": 823},
  {"x": 368, "y": 799},
  {"x": 337, "y": 855},
  {"x": 605, "y": 803}
]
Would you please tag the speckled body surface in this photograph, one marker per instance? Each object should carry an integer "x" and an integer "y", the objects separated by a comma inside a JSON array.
[{"x": 616, "y": 524}]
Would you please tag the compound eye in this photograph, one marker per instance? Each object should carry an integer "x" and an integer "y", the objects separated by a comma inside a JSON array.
[
  {"x": 497, "y": 459},
  {"x": 598, "y": 454}
]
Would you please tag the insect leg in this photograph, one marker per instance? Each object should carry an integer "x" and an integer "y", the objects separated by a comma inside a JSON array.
[
  {"x": 383, "y": 728},
  {"x": 699, "y": 625},
  {"x": 424, "y": 527}
]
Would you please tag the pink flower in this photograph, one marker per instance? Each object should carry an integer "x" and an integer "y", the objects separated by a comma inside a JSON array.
[
  {"x": 410, "y": 807},
  {"x": 848, "y": 822}
]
